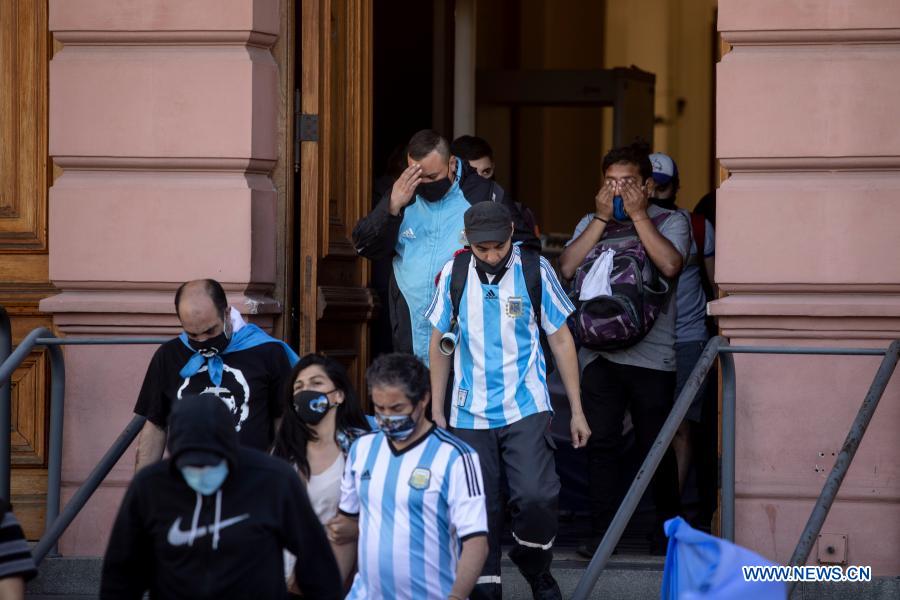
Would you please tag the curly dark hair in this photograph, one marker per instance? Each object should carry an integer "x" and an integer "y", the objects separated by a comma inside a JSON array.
[
  {"x": 636, "y": 153},
  {"x": 293, "y": 435},
  {"x": 403, "y": 371}
]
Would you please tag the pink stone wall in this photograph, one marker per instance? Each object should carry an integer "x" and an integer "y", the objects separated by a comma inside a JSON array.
[
  {"x": 807, "y": 240},
  {"x": 163, "y": 119}
]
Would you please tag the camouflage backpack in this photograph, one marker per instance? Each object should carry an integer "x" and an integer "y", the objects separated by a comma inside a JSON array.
[{"x": 639, "y": 291}]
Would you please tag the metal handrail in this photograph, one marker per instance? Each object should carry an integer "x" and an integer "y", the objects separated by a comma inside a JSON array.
[
  {"x": 845, "y": 457},
  {"x": 648, "y": 468},
  {"x": 55, "y": 524},
  {"x": 719, "y": 347},
  {"x": 57, "y": 397},
  {"x": 86, "y": 490}
]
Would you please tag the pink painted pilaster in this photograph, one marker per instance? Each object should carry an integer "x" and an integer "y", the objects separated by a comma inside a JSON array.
[
  {"x": 163, "y": 119},
  {"x": 807, "y": 249}
]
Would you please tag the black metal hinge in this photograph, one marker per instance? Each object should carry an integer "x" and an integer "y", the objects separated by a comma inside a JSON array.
[{"x": 306, "y": 129}]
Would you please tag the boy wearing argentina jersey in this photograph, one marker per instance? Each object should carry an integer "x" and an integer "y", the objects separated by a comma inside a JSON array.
[
  {"x": 500, "y": 404},
  {"x": 416, "y": 493}
]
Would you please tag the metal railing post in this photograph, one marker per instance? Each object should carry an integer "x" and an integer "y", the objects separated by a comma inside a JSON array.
[
  {"x": 20, "y": 353},
  {"x": 87, "y": 489},
  {"x": 845, "y": 457},
  {"x": 5, "y": 405},
  {"x": 54, "y": 463},
  {"x": 55, "y": 524},
  {"x": 648, "y": 469},
  {"x": 729, "y": 386}
]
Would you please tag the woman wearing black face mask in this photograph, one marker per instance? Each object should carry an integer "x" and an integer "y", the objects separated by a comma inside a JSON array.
[{"x": 321, "y": 418}]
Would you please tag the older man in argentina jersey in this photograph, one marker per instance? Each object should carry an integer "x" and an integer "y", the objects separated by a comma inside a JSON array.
[{"x": 415, "y": 492}]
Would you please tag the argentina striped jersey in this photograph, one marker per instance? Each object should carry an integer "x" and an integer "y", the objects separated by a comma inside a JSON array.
[
  {"x": 500, "y": 373},
  {"x": 416, "y": 506}
]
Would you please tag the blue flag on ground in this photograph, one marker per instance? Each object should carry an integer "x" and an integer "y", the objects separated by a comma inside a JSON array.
[{"x": 699, "y": 565}]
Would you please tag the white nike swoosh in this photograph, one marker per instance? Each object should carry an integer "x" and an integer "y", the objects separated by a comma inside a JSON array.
[{"x": 177, "y": 537}]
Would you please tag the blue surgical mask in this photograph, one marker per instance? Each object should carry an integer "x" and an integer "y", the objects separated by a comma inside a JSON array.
[
  {"x": 397, "y": 427},
  {"x": 205, "y": 480},
  {"x": 619, "y": 209}
]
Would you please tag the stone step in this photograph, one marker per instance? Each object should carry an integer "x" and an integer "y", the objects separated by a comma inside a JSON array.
[{"x": 628, "y": 577}]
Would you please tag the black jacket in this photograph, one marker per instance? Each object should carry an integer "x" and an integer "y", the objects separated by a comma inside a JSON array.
[
  {"x": 375, "y": 237},
  {"x": 178, "y": 544}
]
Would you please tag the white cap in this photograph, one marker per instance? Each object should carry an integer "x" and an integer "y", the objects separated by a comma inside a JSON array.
[{"x": 664, "y": 168}]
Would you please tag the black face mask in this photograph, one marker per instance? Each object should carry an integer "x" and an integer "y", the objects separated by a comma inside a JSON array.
[
  {"x": 668, "y": 203},
  {"x": 211, "y": 346},
  {"x": 311, "y": 406},
  {"x": 493, "y": 269},
  {"x": 434, "y": 190}
]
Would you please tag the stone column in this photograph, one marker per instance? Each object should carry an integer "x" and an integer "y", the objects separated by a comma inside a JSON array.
[
  {"x": 807, "y": 250},
  {"x": 163, "y": 121}
]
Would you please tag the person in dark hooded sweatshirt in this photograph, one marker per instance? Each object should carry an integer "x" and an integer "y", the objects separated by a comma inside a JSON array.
[{"x": 212, "y": 521}]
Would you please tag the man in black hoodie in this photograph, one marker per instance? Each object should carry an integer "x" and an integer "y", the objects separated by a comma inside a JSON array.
[{"x": 212, "y": 520}]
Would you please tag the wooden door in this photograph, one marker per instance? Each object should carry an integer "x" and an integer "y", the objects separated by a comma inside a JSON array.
[
  {"x": 24, "y": 277},
  {"x": 335, "y": 81}
]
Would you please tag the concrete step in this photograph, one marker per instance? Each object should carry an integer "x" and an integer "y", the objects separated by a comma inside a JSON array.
[
  {"x": 628, "y": 577},
  {"x": 66, "y": 578}
]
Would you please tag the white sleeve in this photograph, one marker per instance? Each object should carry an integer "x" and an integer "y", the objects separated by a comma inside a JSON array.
[
  {"x": 466, "y": 496},
  {"x": 555, "y": 304},
  {"x": 349, "y": 504},
  {"x": 440, "y": 311}
]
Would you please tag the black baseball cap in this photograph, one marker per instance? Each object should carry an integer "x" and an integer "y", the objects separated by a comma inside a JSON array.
[
  {"x": 198, "y": 458},
  {"x": 488, "y": 221}
]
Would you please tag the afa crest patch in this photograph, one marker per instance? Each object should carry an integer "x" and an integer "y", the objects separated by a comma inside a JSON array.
[
  {"x": 420, "y": 479},
  {"x": 514, "y": 307}
]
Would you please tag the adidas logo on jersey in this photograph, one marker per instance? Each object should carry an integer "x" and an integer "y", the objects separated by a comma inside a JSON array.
[
  {"x": 366, "y": 475},
  {"x": 409, "y": 234},
  {"x": 490, "y": 295}
]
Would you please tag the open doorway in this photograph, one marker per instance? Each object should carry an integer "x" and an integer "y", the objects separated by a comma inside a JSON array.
[{"x": 548, "y": 153}]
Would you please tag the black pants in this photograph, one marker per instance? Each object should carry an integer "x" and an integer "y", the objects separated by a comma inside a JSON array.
[
  {"x": 607, "y": 390},
  {"x": 524, "y": 451}
]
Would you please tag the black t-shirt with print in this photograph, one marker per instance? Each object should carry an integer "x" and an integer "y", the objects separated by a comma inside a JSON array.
[{"x": 252, "y": 382}]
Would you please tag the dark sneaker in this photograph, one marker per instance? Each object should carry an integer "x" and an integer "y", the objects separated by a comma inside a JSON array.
[
  {"x": 544, "y": 587},
  {"x": 588, "y": 549}
]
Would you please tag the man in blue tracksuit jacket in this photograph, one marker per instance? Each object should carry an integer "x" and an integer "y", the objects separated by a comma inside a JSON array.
[{"x": 419, "y": 223}]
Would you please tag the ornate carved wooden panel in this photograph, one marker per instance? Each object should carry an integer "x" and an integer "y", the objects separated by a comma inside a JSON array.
[
  {"x": 23, "y": 110},
  {"x": 24, "y": 281},
  {"x": 28, "y": 419},
  {"x": 335, "y": 177}
]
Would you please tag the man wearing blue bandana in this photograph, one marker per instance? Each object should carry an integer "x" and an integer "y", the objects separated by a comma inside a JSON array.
[
  {"x": 419, "y": 223},
  {"x": 217, "y": 353}
]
